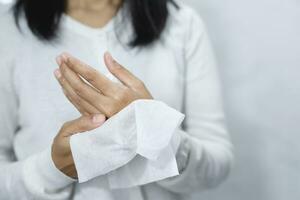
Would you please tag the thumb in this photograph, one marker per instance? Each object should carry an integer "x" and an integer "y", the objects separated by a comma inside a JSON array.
[
  {"x": 120, "y": 72},
  {"x": 82, "y": 124}
]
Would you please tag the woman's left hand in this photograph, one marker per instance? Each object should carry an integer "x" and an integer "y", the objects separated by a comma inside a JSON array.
[{"x": 91, "y": 92}]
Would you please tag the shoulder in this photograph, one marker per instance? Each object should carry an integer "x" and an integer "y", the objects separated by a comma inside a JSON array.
[
  {"x": 10, "y": 36},
  {"x": 183, "y": 14},
  {"x": 183, "y": 21},
  {"x": 10, "y": 39},
  {"x": 7, "y": 23}
]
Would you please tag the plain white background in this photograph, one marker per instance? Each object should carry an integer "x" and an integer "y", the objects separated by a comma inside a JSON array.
[{"x": 257, "y": 44}]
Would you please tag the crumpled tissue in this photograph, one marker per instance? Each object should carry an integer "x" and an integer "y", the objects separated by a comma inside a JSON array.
[{"x": 133, "y": 147}]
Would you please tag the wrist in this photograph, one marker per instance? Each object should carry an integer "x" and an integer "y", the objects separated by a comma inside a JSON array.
[{"x": 64, "y": 163}]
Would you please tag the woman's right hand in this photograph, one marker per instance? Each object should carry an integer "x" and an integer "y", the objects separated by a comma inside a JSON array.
[{"x": 61, "y": 151}]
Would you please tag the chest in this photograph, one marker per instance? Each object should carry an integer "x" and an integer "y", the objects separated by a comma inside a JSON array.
[{"x": 40, "y": 96}]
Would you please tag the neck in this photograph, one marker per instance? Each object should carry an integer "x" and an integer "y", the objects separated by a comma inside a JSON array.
[
  {"x": 94, "y": 13},
  {"x": 92, "y": 5}
]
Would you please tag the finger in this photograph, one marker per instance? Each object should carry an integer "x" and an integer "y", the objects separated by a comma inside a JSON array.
[
  {"x": 84, "y": 90},
  {"x": 82, "y": 124},
  {"x": 62, "y": 83},
  {"x": 80, "y": 109},
  {"x": 90, "y": 74},
  {"x": 124, "y": 75},
  {"x": 67, "y": 94},
  {"x": 82, "y": 105}
]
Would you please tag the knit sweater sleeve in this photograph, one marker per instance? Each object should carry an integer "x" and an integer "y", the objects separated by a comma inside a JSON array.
[
  {"x": 205, "y": 154},
  {"x": 35, "y": 177}
]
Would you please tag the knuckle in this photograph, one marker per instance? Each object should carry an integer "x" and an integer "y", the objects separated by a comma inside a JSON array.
[
  {"x": 91, "y": 75},
  {"x": 63, "y": 69},
  {"x": 65, "y": 92},
  {"x": 127, "y": 93},
  {"x": 119, "y": 96},
  {"x": 123, "y": 94},
  {"x": 106, "y": 86},
  {"x": 76, "y": 99},
  {"x": 62, "y": 81},
  {"x": 67, "y": 95},
  {"x": 109, "y": 110},
  {"x": 78, "y": 88},
  {"x": 138, "y": 84}
]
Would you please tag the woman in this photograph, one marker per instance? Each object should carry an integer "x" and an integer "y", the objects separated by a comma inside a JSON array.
[{"x": 167, "y": 55}]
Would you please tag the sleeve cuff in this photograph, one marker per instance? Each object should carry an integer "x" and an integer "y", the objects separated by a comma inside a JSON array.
[
  {"x": 183, "y": 152},
  {"x": 41, "y": 170},
  {"x": 187, "y": 164}
]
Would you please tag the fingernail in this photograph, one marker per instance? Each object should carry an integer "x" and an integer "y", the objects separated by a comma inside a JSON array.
[
  {"x": 65, "y": 55},
  {"x": 62, "y": 58},
  {"x": 98, "y": 119},
  {"x": 57, "y": 73},
  {"x": 59, "y": 60}
]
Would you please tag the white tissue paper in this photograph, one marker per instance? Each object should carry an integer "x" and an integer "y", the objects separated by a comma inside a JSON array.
[{"x": 134, "y": 147}]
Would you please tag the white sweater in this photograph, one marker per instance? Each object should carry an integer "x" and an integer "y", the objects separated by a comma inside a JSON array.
[{"x": 179, "y": 70}]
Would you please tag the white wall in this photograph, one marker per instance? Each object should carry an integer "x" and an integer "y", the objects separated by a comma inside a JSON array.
[
  {"x": 5, "y": 1},
  {"x": 258, "y": 46}
]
